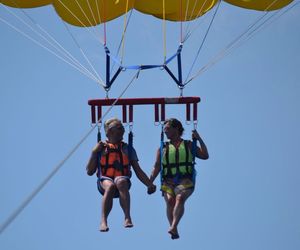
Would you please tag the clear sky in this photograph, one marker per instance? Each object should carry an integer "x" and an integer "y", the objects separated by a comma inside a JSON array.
[{"x": 247, "y": 194}]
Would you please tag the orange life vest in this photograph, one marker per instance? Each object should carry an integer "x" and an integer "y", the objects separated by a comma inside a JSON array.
[{"x": 114, "y": 162}]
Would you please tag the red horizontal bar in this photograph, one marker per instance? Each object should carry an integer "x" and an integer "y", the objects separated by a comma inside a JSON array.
[{"x": 144, "y": 101}]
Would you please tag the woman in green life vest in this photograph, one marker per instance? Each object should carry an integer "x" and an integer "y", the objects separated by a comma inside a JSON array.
[{"x": 177, "y": 170}]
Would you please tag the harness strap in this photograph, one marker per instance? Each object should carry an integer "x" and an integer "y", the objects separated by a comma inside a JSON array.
[
  {"x": 121, "y": 160},
  {"x": 176, "y": 164},
  {"x": 194, "y": 147},
  {"x": 98, "y": 155},
  {"x": 173, "y": 165},
  {"x": 161, "y": 153},
  {"x": 130, "y": 145}
]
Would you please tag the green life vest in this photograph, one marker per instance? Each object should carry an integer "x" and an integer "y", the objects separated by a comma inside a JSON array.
[{"x": 177, "y": 162}]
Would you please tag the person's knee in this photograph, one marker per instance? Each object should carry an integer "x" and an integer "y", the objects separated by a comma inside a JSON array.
[
  {"x": 180, "y": 199},
  {"x": 170, "y": 201},
  {"x": 122, "y": 185},
  {"x": 110, "y": 188}
]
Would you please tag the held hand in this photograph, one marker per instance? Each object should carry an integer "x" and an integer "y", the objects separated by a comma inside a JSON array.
[
  {"x": 195, "y": 135},
  {"x": 98, "y": 147},
  {"x": 151, "y": 189}
]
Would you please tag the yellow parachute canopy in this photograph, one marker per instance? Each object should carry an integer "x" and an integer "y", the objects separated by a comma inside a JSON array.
[
  {"x": 264, "y": 5},
  {"x": 175, "y": 10},
  {"x": 26, "y": 3},
  {"x": 92, "y": 12}
]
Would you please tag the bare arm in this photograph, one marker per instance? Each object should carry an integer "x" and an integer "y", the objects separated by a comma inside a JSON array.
[
  {"x": 91, "y": 166},
  {"x": 201, "y": 152},
  {"x": 156, "y": 167},
  {"x": 142, "y": 176}
]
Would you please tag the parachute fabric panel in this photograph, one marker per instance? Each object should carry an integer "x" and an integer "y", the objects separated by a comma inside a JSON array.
[
  {"x": 88, "y": 13},
  {"x": 175, "y": 10},
  {"x": 264, "y": 5},
  {"x": 26, "y": 3},
  {"x": 83, "y": 13}
]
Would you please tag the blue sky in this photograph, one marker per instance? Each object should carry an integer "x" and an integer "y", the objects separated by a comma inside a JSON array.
[{"x": 247, "y": 192}]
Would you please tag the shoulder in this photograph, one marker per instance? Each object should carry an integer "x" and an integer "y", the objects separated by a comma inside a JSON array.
[{"x": 188, "y": 143}]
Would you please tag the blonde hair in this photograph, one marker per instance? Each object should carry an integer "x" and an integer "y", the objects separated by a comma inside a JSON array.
[{"x": 110, "y": 123}]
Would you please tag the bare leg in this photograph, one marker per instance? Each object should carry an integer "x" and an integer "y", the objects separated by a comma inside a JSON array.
[
  {"x": 107, "y": 203},
  {"x": 123, "y": 187},
  {"x": 170, "y": 203},
  {"x": 179, "y": 211}
]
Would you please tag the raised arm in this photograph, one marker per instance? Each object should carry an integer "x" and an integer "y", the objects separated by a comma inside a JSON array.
[
  {"x": 91, "y": 166},
  {"x": 201, "y": 152}
]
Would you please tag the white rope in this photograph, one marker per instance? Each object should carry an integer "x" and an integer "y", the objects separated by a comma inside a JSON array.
[
  {"x": 98, "y": 11},
  {"x": 50, "y": 40},
  {"x": 90, "y": 8},
  {"x": 83, "y": 25},
  {"x": 50, "y": 51},
  {"x": 275, "y": 16},
  {"x": 19, "y": 209},
  {"x": 248, "y": 33},
  {"x": 203, "y": 40},
  {"x": 187, "y": 29},
  {"x": 83, "y": 54}
]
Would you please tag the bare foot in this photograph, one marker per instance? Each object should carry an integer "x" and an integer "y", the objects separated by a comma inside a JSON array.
[
  {"x": 104, "y": 227},
  {"x": 174, "y": 233},
  {"x": 128, "y": 223}
]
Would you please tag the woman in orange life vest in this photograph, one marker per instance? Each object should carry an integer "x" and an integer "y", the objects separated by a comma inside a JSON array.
[
  {"x": 114, "y": 171},
  {"x": 177, "y": 171}
]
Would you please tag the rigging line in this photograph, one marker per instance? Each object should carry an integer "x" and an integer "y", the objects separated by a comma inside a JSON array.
[
  {"x": 229, "y": 49},
  {"x": 83, "y": 12},
  {"x": 92, "y": 26},
  {"x": 89, "y": 5},
  {"x": 203, "y": 41},
  {"x": 104, "y": 24},
  {"x": 83, "y": 25},
  {"x": 84, "y": 55},
  {"x": 52, "y": 42},
  {"x": 98, "y": 11},
  {"x": 222, "y": 53},
  {"x": 186, "y": 11},
  {"x": 193, "y": 11},
  {"x": 64, "y": 52},
  {"x": 123, "y": 35},
  {"x": 188, "y": 34},
  {"x": 120, "y": 44},
  {"x": 164, "y": 31},
  {"x": 23, "y": 205},
  {"x": 275, "y": 16},
  {"x": 189, "y": 30},
  {"x": 50, "y": 51},
  {"x": 181, "y": 21}
]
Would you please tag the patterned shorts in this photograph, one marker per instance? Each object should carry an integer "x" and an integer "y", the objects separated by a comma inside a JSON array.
[{"x": 169, "y": 186}]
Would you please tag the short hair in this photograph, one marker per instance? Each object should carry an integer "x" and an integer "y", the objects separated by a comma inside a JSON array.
[
  {"x": 175, "y": 124},
  {"x": 110, "y": 123}
]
